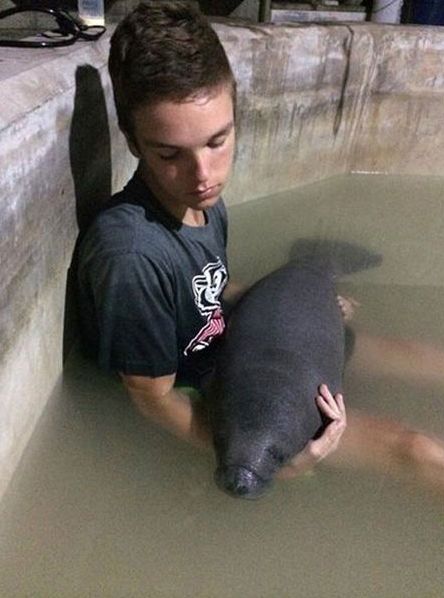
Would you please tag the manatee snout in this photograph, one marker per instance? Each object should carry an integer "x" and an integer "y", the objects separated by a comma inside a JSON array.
[{"x": 240, "y": 482}]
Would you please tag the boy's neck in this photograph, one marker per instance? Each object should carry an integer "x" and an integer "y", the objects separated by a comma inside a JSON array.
[{"x": 183, "y": 214}]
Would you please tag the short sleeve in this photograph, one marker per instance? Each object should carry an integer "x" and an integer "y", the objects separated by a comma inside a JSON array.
[{"x": 134, "y": 304}]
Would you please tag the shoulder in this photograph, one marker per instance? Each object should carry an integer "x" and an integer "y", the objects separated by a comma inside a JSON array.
[
  {"x": 124, "y": 229},
  {"x": 123, "y": 269},
  {"x": 122, "y": 249},
  {"x": 127, "y": 223}
]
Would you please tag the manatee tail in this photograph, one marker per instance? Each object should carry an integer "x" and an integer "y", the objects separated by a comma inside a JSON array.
[{"x": 339, "y": 257}]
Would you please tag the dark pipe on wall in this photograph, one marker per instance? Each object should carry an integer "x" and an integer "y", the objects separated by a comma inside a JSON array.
[{"x": 264, "y": 11}]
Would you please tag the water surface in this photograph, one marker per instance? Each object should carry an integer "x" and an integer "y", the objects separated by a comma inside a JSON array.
[{"x": 105, "y": 504}]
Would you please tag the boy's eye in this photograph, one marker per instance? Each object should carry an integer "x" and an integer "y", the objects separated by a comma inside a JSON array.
[
  {"x": 170, "y": 156},
  {"x": 217, "y": 142}
]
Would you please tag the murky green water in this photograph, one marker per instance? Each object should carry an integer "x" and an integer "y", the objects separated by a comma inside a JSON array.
[{"x": 105, "y": 504}]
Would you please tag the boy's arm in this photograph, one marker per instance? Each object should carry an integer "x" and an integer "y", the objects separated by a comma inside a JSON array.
[{"x": 159, "y": 401}]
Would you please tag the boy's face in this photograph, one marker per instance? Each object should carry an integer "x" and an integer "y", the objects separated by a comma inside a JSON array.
[{"x": 186, "y": 149}]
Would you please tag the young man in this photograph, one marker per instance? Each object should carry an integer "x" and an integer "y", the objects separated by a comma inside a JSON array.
[{"x": 153, "y": 277}]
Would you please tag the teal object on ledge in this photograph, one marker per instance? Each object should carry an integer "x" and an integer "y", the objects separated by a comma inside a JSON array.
[{"x": 427, "y": 12}]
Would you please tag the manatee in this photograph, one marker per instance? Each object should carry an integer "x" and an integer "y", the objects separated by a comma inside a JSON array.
[{"x": 284, "y": 338}]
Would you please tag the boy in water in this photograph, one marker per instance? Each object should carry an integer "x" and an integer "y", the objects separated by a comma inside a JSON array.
[{"x": 153, "y": 277}]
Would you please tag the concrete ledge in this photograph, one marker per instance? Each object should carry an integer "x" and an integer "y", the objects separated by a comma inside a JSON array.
[
  {"x": 316, "y": 16},
  {"x": 314, "y": 101}
]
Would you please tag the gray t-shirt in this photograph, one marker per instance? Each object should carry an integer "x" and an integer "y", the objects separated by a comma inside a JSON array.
[{"x": 150, "y": 287}]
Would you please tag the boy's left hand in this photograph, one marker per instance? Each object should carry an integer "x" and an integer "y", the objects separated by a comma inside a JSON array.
[{"x": 316, "y": 450}]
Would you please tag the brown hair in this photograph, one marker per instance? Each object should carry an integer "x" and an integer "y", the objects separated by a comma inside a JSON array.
[{"x": 164, "y": 50}]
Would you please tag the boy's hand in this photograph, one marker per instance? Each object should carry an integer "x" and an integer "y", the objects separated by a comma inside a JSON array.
[
  {"x": 334, "y": 409},
  {"x": 315, "y": 450},
  {"x": 347, "y": 305}
]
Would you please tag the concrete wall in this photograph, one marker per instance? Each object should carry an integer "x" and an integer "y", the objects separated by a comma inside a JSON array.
[
  {"x": 314, "y": 101},
  {"x": 320, "y": 100},
  {"x": 56, "y": 127},
  {"x": 397, "y": 125}
]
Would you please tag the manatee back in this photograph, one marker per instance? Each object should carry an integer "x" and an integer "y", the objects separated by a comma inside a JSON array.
[
  {"x": 289, "y": 322},
  {"x": 284, "y": 339}
]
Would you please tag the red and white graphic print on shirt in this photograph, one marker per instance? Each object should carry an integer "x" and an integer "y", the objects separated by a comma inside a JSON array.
[{"x": 207, "y": 289}]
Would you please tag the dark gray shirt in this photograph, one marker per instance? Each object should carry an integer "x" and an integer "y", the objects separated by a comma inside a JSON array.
[{"x": 150, "y": 287}]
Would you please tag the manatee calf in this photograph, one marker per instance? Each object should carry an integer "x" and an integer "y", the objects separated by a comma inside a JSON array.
[{"x": 285, "y": 337}]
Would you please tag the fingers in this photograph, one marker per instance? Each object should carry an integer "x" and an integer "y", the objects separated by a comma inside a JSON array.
[
  {"x": 347, "y": 305},
  {"x": 331, "y": 406},
  {"x": 347, "y": 302}
]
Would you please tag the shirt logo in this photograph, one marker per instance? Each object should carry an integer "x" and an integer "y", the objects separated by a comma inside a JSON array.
[{"x": 207, "y": 289}]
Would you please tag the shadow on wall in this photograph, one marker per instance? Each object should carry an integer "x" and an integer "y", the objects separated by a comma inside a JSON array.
[
  {"x": 90, "y": 159},
  {"x": 89, "y": 146}
]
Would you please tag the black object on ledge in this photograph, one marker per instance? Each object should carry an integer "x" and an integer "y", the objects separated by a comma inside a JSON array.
[{"x": 69, "y": 29}]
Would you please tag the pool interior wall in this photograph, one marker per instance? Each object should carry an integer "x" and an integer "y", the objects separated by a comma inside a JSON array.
[{"x": 315, "y": 101}]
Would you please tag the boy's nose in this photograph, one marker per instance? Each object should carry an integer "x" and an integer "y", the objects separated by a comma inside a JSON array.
[{"x": 200, "y": 167}]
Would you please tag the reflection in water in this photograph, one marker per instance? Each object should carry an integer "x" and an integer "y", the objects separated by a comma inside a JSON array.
[{"x": 107, "y": 505}]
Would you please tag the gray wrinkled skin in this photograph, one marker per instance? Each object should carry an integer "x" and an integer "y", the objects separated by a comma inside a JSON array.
[{"x": 285, "y": 338}]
